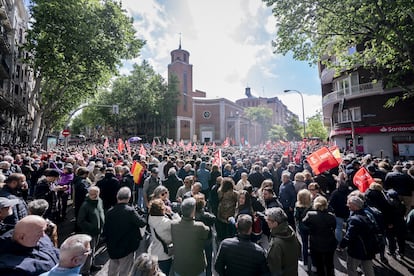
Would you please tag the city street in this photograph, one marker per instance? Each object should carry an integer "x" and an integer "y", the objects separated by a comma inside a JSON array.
[{"x": 394, "y": 267}]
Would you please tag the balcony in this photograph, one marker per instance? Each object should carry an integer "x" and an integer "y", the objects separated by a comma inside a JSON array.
[
  {"x": 4, "y": 44},
  {"x": 4, "y": 70},
  {"x": 356, "y": 91}
]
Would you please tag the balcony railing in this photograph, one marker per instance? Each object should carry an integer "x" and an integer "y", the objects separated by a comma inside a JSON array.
[{"x": 353, "y": 91}]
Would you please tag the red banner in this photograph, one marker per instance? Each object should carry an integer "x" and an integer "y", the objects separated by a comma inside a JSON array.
[
  {"x": 322, "y": 160},
  {"x": 362, "y": 179}
]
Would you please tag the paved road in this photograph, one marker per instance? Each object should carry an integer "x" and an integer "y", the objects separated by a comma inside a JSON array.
[{"x": 394, "y": 267}]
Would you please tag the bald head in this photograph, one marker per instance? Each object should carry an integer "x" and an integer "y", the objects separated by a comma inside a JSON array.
[
  {"x": 29, "y": 230},
  {"x": 74, "y": 250}
]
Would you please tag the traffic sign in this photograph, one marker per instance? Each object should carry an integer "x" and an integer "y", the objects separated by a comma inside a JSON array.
[{"x": 66, "y": 132}]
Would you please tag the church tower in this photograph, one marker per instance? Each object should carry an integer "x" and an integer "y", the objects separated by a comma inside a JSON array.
[{"x": 181, "y": 68}]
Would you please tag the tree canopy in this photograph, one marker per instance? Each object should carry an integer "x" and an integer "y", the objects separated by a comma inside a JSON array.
[
  {"x": 315, "y": 127},
  {"x": 75, "y": 46},
  {"x": 146, "y": 105},
  {"x": 277, "y": 133},
  {"x": 378, "y": 35}
]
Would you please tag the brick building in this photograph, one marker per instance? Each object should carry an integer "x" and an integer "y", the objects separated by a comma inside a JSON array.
[{"x": 200, "y": 119}]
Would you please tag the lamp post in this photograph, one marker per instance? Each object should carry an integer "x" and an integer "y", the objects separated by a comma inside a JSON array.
[{"x": 303, "y": 109}]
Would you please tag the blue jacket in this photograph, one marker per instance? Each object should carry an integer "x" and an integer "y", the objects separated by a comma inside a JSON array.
[
  {"x": 203, "y": 176},
  {"x": 287, "y": 195},
  {"x": 16, "y": 259},
  {"x": 359, "y": 237},
  {"x": 59, "y": 271}
]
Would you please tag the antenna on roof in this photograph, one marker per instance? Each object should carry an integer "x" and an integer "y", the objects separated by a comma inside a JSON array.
[{"x": 179, "y": 45}]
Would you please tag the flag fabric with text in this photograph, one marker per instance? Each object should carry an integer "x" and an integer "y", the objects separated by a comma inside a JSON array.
[
  {"x": 362, "y": 179},
  {"x": 322, "y": 160},
  {"x": 217, "y": 158},
  {"x": 137, "y": 171},
  {"x": 335, "y": 152}
]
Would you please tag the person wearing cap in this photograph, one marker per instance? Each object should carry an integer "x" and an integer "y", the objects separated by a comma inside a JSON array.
[
  {"x": 150, "y": 183},
  {"x": 109, "y": 186},
  {"x": 359, "y": 238},
  {"x": 6, "y": 209},
  {"x": 15, "y": 188}
]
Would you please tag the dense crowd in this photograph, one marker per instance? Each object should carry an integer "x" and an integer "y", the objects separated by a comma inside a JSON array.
[{"x": 256, "y": 211}]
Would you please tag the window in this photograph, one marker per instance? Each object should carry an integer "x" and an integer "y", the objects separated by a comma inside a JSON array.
[
  {"x": 348, "y": 85},
  {"x": 345, "y": 115}
]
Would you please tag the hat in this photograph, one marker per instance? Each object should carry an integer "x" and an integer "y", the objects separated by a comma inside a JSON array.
[
  {"x": 154, "y": 170},
  {"x": 356, "y": 162},
  {"x": 5, "y": 202},
  {"x": 52, "y": 173}
]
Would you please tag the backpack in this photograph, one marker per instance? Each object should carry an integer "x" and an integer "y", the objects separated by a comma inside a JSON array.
[{"x": 376, "y": 225}]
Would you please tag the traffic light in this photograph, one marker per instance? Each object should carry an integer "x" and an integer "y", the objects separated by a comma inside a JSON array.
[{"x": 115, "y": 109}]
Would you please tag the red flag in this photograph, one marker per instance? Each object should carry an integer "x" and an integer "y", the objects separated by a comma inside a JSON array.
[
  {"x": 214, "y": 145},
  {"x": 335, "y": 152},
  {"x": 106, "y": 143},
  {"x": 298, "y": 156},
  {"x": 142, "y": 150},
  {"x": 181, "y": 144},
  {"x": 194, "y": 147},
  {"x": 217, "y": 158},
  {"x": 322, "y": 160},
  {"x": 205, "y": 149},
  {"x": 121, "y": 145},
  {"x": 137, "y": 170},
  {"x": 188, "y": 147},
  {"x": 362, "y": 179},
  {"x": 94, "y": 151},
  {"x": 288, "y": 151},
  {"x": 233, "y": 142},
  {"x": 226, "y": 142}
]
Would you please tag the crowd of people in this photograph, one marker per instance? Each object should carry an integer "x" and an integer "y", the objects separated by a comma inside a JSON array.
[{"x": 256, "y": 211}]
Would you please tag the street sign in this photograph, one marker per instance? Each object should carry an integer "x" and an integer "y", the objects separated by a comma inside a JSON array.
[{"x": 66, "y": 132}]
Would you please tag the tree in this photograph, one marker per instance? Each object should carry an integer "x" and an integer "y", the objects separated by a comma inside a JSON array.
[
  {"x": 75, "y": 47},
  {"x": 146, "y": 105},
  {"x": 262, "y": 115},
  {"x": 294, "y": 129},
  {"x": 277, "y": 132},
  {"x": 382, "y": 33},
  {"x": 315, "y": 127}
]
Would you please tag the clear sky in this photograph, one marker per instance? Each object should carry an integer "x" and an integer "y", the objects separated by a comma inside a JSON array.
[{"x": 230, "y": 48}]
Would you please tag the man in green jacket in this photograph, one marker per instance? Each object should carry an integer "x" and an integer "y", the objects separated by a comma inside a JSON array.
[
  {"x": 189, "y": 237},
  {"x": 284, "y": 247},
  {"x": 90, "y": 221}
]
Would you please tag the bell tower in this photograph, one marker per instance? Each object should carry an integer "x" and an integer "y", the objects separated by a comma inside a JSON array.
[{"x": 181, "y": 68}]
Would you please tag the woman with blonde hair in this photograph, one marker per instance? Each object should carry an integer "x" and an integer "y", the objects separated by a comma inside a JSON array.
[
  {"x": 299, "y": 182},
  {"x": 146, "y": 265},
  {"x": 302, "y": 206},
  {"x": 321, "y": 225}
]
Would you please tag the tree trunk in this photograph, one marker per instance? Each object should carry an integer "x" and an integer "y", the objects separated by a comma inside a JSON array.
[{"x": 34, "y": 135}]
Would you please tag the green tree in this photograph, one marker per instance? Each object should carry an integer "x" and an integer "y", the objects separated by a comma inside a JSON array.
[
  {"x": 381, "y": 31},
  {"x": 262, "y": 115},
  {"x": 75, "y": 47},
  {"x": 277, "y": 133},
  {"x": 315, "y": 127},
  {"x": 294, "y": 129},
  {"x": 146, "y": 104}
]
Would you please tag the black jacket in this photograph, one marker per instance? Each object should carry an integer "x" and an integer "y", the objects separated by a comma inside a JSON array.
[
  {"x": 122, "y": 231},
  {"x": 321, "y": 226},
  {"x": 173, "y": 183},
  {"x": 402, "y": 183},
  {"x": 16, "y": 259},
  {"x": 109, "y": 186},
  {"x": 239, "y": 256},
  {"x": 338, "y": 201}
]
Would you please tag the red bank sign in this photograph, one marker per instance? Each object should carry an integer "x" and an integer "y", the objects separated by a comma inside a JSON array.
[{"x": 373, "y": 129}]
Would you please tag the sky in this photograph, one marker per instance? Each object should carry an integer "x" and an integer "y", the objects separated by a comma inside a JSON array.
[{"x": 230, "y": 48}]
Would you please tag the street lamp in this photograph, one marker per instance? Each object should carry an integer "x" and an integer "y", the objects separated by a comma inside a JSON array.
[{"x": 303, "y": 109}]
